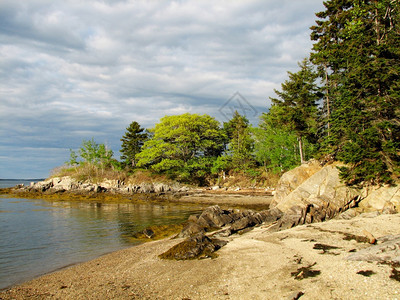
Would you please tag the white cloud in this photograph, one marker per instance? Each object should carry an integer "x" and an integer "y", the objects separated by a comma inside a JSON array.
[{"x": 71, "y": 70}]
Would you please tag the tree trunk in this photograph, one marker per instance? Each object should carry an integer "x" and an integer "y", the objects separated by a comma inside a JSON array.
[
  {"x": 328, "y": 109},
  {"x": 299, "y": 139}
]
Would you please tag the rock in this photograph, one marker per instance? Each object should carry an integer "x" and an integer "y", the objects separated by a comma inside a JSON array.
[
  {"x": 389, "y": 208},
  {"x": 65, "y": 183},
  {"x": 111, "y": 184},
  {"x": 388, "y": 251},
  {"x": 271, "y": 215},
  {"x": 197, "y": 246},
  {"x": 215, "y": 188},
  {"x": 382, "y": 198},
  {"x": 293, "y": 217},
  {"x": 370, "y": 237},
  {"x": 148, "y": 233},
  {"x": 348, "y": 214},
  {"x": 42, "y": 186},
  {"x": 146, "y": 188},
  {"x": 192, "y": 228},
  {"x": 214, "y": 217},
  {"x": 161, "y": 188},
  {"x": 322, "y": 195},
  {"x": 243, "y": 223},
  {"x": 292, "y": 179}
]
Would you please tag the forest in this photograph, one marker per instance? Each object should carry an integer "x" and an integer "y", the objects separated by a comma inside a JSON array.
[{"x": 343, "y": 104}]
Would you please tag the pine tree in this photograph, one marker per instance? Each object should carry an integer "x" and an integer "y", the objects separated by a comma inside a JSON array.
[
  {"x": 298, "y": 100},
  {"x": 358, "y": 42},
  {"x": 132, "y": 143}
]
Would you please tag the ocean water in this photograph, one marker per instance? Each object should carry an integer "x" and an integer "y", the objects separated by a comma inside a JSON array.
[
  {"x": 4, "y": 183},
  {"x": 39, "y": 236}
]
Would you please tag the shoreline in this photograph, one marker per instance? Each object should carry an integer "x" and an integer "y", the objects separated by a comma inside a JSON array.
[
  {"x": 255, "y": 265},
  {"x": 256, "y": 199},
  {"x": 241, "y": 200}
]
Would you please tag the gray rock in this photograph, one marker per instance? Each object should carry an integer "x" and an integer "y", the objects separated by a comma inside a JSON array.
[
  {"x": 192, "y": 228},
  {"x": 148, "y": 233},
  {"x": 197, "y": 246},
  {"x": 387, "y": 251},
  {"x": 214, "y": 217}
]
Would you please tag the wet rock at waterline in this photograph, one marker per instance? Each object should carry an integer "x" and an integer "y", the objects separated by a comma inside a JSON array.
[{"x": 196, "y": 246}]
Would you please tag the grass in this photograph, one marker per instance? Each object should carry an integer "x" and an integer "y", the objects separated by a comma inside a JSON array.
[{"x": 254, "y": 178}]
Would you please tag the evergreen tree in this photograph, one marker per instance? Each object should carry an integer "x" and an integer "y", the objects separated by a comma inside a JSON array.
[
  {"x": 240, "y": 141},
  {"x": 359, "y": 44},
  {"x": 298, "y": 101},
  {"x": 132, "y": 143}
]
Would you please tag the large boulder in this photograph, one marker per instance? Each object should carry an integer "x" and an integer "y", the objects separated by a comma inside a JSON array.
[
  {"x": 214, "y": 217},
  {"x": 65, "y": 183},
  {"x": 321, "y": 196},
  {"x": 197, "y": 246},
  {"x": 293, "y": 178},
  {"x": 385, "y": 198}
]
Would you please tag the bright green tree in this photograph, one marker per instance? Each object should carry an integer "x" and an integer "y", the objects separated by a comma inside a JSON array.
[
  {"x": 91, "y": 153},
  {"x": 241, "y": 144},
  {"x": 275, "y": 145},
  {"x": 358, "y": 42},
  {"x": 184, "y": 146},
  {"x": 94, "y": 153},
  {"x": 132, "y": 142}
]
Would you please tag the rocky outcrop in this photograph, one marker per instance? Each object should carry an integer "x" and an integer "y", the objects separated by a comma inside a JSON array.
[
  {"x": 203, "y": 232},
  {"x": 385, "y": 199},
  {"x": 196, "y": 246},
  {"x": 321, "y": 196},
  {"x": 316, "y": 195},
  {"x": 387, "y": 251},
  {"x": 68, "y": 184},
  {"x": 290, "y": 180}
]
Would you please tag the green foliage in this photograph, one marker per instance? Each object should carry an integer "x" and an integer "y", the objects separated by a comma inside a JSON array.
[
  {"x": 92, "y": 153},
  {"x": 358, "y": 43},
  {"x": 275, "y": 146},
  {"x": 183, "y": 146},
  {"x": 73, "y": 158},
  {"x": 241, "y": 144},
  {"x": 221, "y": 164},
  {"x": 132, "y": 143},
  {"x": 297, "y": 104}
]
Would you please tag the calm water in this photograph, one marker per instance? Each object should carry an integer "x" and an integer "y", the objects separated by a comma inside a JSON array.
[{"x": 38, "y": 236}]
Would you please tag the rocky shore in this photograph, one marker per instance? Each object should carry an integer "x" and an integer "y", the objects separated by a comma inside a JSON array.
[
  {"x": 67, "y": 188},
  {"x": 318, "y": 238},
  {"x": 314, "y": 261}
]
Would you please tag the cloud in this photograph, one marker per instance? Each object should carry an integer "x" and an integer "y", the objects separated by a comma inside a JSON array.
[{"x": 73, "y": 70}]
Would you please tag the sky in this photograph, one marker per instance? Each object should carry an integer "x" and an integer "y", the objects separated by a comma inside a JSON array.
[{"x": 75, "y": 70}]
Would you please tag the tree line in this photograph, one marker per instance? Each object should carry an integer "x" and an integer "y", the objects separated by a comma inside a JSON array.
[{"x": 342, "y": 104}]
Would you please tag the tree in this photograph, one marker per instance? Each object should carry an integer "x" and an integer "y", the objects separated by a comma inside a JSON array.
[
  {"x": 275, "y": 145},
  {"x": 94, "y": 153},
  {"x": 359, "y": 43},
  {"x": 298, "y": 100},
  {"x": 240, "y": 141},
  {"x": 183, "y": 146},
  {"x": 132, "y": 143}
]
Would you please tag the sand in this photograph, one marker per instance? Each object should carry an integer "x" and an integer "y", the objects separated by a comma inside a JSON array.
[{"x": 256, "y": 265}]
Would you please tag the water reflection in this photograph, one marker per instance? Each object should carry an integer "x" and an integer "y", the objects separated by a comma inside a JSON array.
[{"x": 38, "y": 236}]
